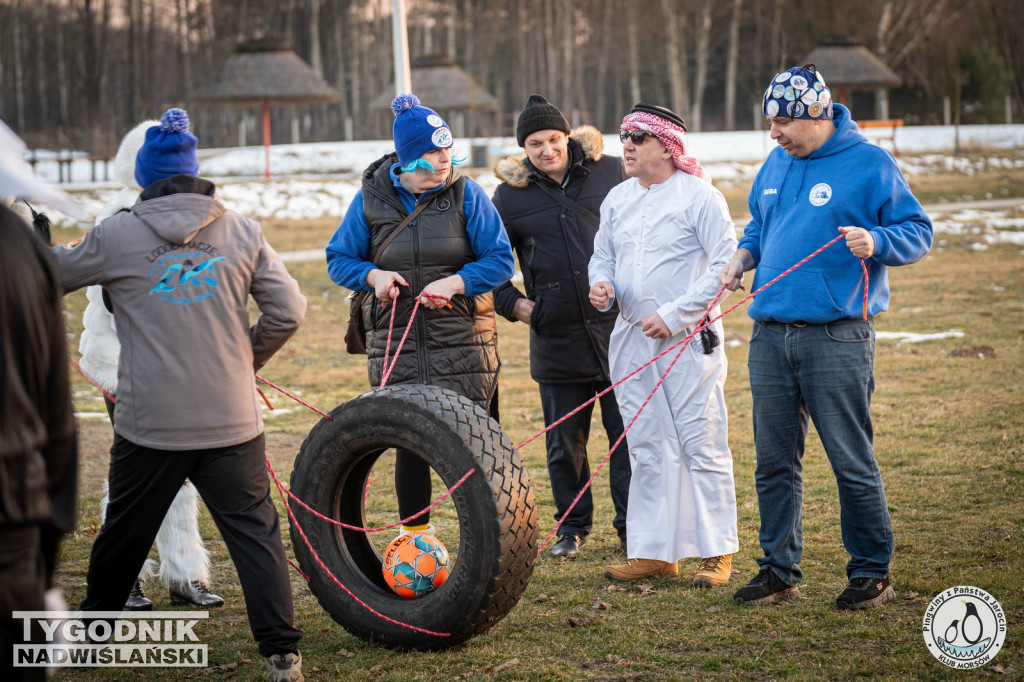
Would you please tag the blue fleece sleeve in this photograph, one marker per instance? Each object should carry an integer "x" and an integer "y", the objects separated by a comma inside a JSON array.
[
  {"x": 494, "y": 263},
  {"x": 904, "y": 233},
  {"x": 348, "y": 251}
]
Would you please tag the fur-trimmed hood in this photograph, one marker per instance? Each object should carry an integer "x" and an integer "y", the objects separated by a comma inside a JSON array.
[
  {"x": 124, "y": 161},
  {"x": 98, "y": 344},
  {"x": 514, "y": 170}
]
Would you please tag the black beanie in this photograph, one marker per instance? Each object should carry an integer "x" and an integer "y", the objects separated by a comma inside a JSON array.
[{"x": 539, "y": 114}]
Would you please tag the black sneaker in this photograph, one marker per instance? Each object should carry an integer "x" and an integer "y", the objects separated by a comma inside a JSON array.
[
  {"x": 866, "y": 593},
  {"x": 765, "y": 588}
]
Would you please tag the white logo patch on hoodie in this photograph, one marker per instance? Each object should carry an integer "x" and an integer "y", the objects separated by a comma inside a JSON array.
[{"x": 820, "y": 194}]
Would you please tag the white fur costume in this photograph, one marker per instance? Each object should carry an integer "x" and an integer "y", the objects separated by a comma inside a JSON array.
[{"x": 183, "y": 558}]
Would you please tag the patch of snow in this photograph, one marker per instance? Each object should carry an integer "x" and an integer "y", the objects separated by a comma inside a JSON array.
[
  {"x": 318, "y": 180},
  {"x": 299, "y": 256},
  {"x": 913, "y": 337}
]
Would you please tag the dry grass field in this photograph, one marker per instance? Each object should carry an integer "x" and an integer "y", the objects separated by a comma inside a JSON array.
[{"x": 949, "y": 436}]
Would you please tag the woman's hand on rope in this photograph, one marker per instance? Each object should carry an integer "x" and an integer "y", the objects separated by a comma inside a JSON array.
[
  {"x": 438, "y": 293},
  {"x": 859, "y": 241},
  {"x": 601, "y": 295},
  {"x": 655, "y": 327},
  {"x": 384, "y": 283}
]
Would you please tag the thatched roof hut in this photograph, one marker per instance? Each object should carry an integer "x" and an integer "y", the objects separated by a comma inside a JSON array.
[
  {"x": 847, "y": 65},
  {"x": 265, "y": 70},
  {"x": 450, "y": 91}
]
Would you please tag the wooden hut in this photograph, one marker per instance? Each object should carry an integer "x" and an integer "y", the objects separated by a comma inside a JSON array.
[
  {"x": 469, "y": 109},
  {"x": 848, "y": 66},
  {"x": 264, "y": 72}
]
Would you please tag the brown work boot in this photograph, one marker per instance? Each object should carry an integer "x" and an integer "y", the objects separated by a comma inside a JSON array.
[
  {"x": 713, "y": 571},
  {"x": 637, "y": 569}
]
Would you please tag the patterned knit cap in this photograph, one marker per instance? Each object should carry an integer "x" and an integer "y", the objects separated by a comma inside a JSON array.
[{"x": 799, "y": 92}]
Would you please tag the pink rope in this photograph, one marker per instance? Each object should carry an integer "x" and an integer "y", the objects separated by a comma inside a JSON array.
[
  {"x": 387, "y": 347},
  {"x": 681, "y": 343},
  {"x": 327, "y": 571},
  {"x": 675, "y": 345},
  {"x": 360, "y": 529},
  {"x": 298, "y": 400},
  {"x": 586, "y": 486},
  {"x": 389, "y": 368},
  {"x": 298, "y": 570},
  {"x": 91, "y": 380},
  {"x": 864, "y": 268}
]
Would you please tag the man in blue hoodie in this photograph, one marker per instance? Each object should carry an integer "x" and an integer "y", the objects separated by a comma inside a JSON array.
[{"x": 812, "y": 344}]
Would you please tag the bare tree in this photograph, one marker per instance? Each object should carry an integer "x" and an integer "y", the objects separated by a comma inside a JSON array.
[
  {"x": 912, "y": 22},
  {"x": 732, "y": 64},
  {"x": 703, "y": 30},
  {"x": 19, "y": 80},
  {"x": 313, "y": 28},
  {"x": 676, "y": 56},
  {"x": 184, "y": 48},
  {"x": 604, "y": 53},
  {"x": 1009, "y": 17},
  {"x": 634, "y": 58}
]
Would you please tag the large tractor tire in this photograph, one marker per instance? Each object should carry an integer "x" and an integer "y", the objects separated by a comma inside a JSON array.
[{"x": 497, "y": 517}]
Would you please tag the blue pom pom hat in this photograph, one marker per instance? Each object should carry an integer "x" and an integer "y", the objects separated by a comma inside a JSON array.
[
  {"x": 418, "y": 129},
  {"x": 169, "y": 150},
  {"x": 799, "y": 92}
]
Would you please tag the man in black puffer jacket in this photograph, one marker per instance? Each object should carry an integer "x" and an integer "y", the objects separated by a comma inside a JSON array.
[{"x": 549, "y": 201}]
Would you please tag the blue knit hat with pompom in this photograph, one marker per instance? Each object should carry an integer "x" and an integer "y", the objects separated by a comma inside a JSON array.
[
  {"x": 418, "y": 129},
  {"x": 169, "y": 150}
]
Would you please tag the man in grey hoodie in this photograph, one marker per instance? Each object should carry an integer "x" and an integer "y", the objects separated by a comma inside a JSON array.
[{"x": 179, "y": 269}]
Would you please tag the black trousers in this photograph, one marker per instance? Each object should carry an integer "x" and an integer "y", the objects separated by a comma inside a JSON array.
[
  {"x": 568, "y": 467},
  {"x": 22, "y": 582},
  {"x": 234, "y": 485}
]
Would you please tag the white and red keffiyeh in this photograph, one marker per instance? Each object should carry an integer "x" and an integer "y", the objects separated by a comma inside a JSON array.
[{"x": 671, "y": 135}]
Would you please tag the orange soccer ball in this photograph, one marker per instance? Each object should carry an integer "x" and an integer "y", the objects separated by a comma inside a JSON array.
[{"x": 415, "y": 563}]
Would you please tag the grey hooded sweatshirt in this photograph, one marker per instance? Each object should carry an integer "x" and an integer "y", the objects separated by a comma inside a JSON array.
[{"x": 179, "y": 269}]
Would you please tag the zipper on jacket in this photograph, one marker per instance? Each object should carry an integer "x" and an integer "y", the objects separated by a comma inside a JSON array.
[{"x": 420, "y": 321}]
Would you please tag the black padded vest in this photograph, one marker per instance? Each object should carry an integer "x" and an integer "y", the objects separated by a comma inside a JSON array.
[{"x": 455, "y": 348}]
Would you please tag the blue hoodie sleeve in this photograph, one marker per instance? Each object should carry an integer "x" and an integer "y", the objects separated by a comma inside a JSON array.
[
  {"x": 348, "y": 251},
  {"x": 904, "y": 233},
  {"x": 751, "y": 239},
  {"x": 494, "y": 262}
]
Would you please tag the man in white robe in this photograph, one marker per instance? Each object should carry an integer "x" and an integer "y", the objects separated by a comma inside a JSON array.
[{"x": 665, "y": 234}]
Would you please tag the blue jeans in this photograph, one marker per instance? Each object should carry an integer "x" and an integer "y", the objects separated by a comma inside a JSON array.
[
  {"x": 824, "y": 372},
  {"x": 568, "y": 467}
]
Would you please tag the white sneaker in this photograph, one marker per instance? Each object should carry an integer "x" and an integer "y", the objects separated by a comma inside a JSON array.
[{"x": 284, "y": 668}]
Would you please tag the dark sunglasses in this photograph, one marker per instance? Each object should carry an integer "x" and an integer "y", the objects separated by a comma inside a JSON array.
[{"x": 636, "y": 136}]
